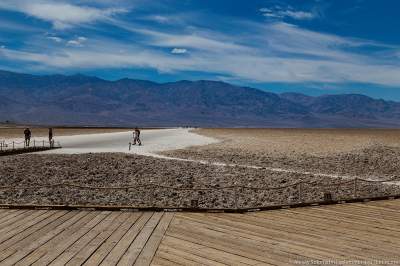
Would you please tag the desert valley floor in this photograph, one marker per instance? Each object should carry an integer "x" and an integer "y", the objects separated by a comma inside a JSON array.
[{"x": 265, "y": 166}]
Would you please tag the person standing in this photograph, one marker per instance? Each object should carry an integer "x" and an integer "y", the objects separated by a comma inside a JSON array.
[
  {"x": 51, "y": 137},
  {"x": 28, "y": 135},
  {"x": 136, "y": 137}
]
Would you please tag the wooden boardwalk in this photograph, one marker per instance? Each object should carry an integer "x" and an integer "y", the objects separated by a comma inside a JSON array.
[{"x": 344, "y": 234}]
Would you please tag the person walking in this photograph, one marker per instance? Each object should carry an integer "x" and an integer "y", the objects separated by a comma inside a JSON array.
[
  {"x": 136, "y": 137},
  {"x": 28, "y": 135},
  {"x": 51, "y": 137}
]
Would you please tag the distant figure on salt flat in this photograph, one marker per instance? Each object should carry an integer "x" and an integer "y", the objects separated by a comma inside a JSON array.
[
  {"x": 28, "y": 135},
  {"x": 51, "y": 137},
  {"x": 136, "y": 137}
]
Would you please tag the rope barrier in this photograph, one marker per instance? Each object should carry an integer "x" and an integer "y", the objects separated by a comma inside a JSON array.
[
  {"x": 34, "y": 143},
  {"x": 125, "y": 187},
  {"x": 298, "y": 195}
]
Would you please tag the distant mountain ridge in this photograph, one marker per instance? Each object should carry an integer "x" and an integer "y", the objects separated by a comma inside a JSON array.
[{"x": 84, "y": 100}]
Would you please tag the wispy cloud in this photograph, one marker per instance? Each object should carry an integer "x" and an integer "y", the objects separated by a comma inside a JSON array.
[
  {"x": 55, "y": 39},
  {"x": 77, "y": 42},
  {"x": 286, "y": 12},
  {"x": 61, "y": 14},
  {"x": 179, "y": 51}
]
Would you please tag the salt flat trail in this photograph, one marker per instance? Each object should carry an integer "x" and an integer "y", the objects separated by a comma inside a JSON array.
[{"x": 154, "y": 140}]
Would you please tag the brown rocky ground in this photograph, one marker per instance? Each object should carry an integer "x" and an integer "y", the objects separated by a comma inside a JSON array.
[
  {"x": 125, "y": 175},
  {"x": 355, "y": 152}
]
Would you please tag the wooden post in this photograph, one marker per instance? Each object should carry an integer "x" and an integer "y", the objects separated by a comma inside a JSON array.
[
  {"x": 355, "y": 187},
  {"x": 152, "y": 193},
  {"x": 13, "y": 145},
  {"x": 300, "y": 191},
  {"x": 236, "y": 196},
  {"x": 34, "y": 143},
  {"x": 130, "y": 145}
]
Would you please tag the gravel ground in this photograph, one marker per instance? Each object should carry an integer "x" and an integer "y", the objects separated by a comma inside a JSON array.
[
  {"x": 129, "y": 172},
  {"x": 377, "y": 162},
  {"x": 363, "y": 153}
]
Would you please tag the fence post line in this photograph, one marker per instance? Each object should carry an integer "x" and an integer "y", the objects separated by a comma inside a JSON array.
[
  {"x": 355, "y": 187},
  {"x": 236, "y": 196},
  {"x": 152, "y": 195},
  {"x": 300, "y": 191}
]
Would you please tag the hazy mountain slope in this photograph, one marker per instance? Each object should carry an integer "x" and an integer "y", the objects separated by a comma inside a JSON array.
[{"x": 78, "y": 99}]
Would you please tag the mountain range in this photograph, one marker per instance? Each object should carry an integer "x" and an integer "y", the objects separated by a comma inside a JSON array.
[{"x": 91, "y": 101}]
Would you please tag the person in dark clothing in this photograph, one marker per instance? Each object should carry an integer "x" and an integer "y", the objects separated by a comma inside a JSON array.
[
  {"x": 28, "y": 135},
  {"x": 136, "y": 137},
  {"x": 51, "y": 137}
]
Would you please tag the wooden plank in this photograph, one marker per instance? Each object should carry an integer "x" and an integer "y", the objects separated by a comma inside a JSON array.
[
  {"x": 17, "y": 239},
  {"x": 306, "y": 236},
  {"x": 335, "y": 223},
  {"x": 371, "y": 205},
  {"x": 12, "y": 215},
  {"x": 364, "y": 213},
  {"x": 17, "y": 242},
  {"x": 146, "y": 255},
  {"x": 140, "y": 241},
  {"x": 81, "y": 244},
  {"x": 281, "y": 239},
  {"x": 164, "y": 262},
  {"x": 230, "y": 243},
  {"x": 16, "y": 252},
  {"x": 278, "y": 237},
  {"x": 99, "y": 255},
  {"x": 247, "y": 235},
  {"x": 5, "y": 212},
  {"x": 184, "y": 258},
  {"x": 40, "y": 247},
  {"x": 362, "y": 220},
  {"x": 55, "y": 251},
  {"x": 363, "y": 237},
  {"x": 395, "y": 203},
  {"x": 118, "y": 251},
  {"x": 104, "y": 234},
  {"x": 17, "y": 219},
  {"x": 23, "y": 224},
  {"x": 217, "y": 256}
]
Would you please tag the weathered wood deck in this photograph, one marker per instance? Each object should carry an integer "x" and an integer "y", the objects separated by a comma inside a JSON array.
[{"x": 344, "y": 234}]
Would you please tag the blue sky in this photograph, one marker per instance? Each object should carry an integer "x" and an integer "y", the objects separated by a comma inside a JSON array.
[{"x": 310, "y": 46}]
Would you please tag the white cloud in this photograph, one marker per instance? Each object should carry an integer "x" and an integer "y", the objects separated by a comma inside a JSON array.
[
  {"x": 159, "y": 18},
  {"x": 82, "y": 39},
  {"x": 178, "y": 51},
  {"x": 61, "y": 14},
  {"x": 55, "y": 39},
  {"x": 197, "y": 40},
  {"x": 78, "y": 42},
  {"x": 289, "y": 12}
]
